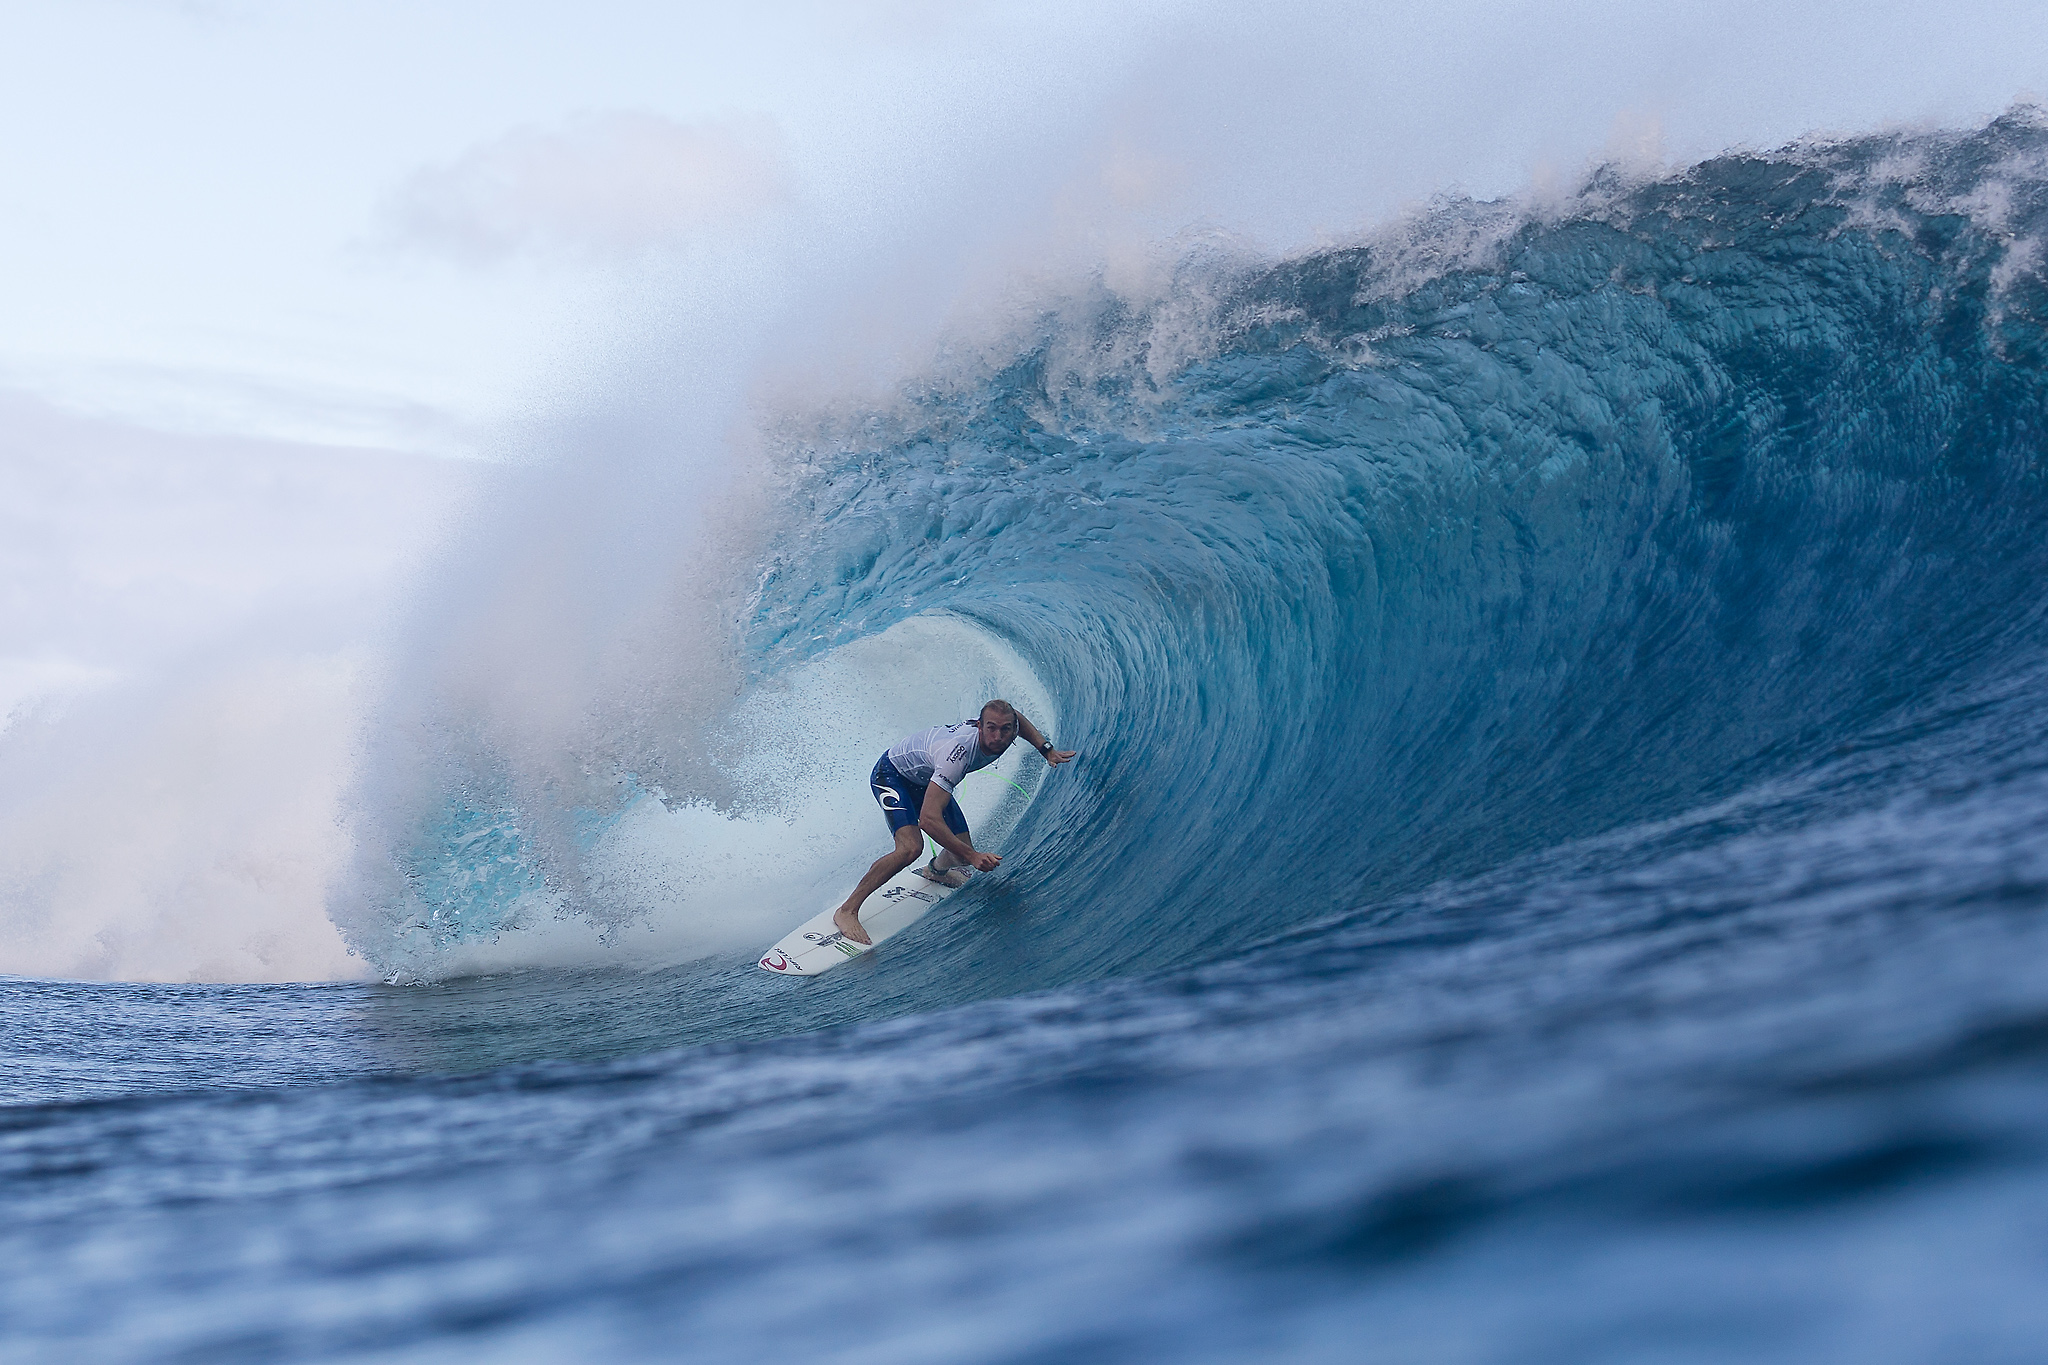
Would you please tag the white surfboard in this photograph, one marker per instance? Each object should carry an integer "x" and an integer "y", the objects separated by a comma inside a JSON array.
[{"x": 816, "y": 946}]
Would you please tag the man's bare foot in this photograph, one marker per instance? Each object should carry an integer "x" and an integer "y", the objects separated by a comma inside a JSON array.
[{"x": 848, "y": 924}]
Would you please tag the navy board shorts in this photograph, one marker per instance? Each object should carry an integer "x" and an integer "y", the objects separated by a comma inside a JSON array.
[{"x": 902, "y": 800}]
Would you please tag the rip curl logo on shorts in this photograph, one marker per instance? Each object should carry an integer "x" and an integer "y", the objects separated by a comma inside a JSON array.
[
  {"x": 775, "y": 962},
  {"x": 889, "y": 797}
]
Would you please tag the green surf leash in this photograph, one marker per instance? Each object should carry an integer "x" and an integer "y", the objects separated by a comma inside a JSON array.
[
  {"x": 1006, "y": 778},
  {"x": 931, "y": 844}
]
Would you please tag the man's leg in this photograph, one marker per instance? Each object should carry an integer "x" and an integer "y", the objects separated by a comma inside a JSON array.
[{"x": 909, "y": 844}]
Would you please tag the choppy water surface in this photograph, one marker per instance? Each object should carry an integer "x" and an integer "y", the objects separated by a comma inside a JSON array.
[{"x": 1557, "y": 870}]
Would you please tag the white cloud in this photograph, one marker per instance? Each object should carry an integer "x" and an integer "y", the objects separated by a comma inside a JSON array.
[{"x": 609, "y": 184}]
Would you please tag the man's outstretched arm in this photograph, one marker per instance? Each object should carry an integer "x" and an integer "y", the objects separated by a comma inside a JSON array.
[
  {"x": 1053, "y": 756},
  {"x": 931, "y": 818}
]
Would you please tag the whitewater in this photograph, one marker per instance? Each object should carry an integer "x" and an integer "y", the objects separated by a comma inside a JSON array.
[{"x": 1555, "y": 870}]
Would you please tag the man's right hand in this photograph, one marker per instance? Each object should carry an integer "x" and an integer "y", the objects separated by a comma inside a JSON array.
[{"x": 985, "y": 862}]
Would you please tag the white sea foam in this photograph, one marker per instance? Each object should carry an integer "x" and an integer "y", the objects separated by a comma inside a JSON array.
[{"x": 689, "y": 878}]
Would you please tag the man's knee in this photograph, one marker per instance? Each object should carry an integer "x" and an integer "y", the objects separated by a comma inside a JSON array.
[{"x": 909, "y": 841}]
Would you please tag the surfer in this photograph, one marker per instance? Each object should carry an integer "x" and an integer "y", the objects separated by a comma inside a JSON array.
[{"x": 914, "y": 783}]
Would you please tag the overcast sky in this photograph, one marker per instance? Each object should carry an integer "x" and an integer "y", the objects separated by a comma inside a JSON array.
[{"x": 408, "y": 224}]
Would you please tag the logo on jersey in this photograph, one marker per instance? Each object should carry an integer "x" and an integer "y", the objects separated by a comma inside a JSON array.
[{"x": 959, "y": 752}]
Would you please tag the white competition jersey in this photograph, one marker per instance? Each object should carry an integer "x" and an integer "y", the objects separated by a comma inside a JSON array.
[{"x": 942, "y": 755}]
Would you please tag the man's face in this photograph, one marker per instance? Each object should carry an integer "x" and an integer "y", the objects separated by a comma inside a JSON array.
[{"x": 997, "y": 731}]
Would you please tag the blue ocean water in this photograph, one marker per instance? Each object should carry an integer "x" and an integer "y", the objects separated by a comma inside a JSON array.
[{"x": 1556, "y": 871}]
